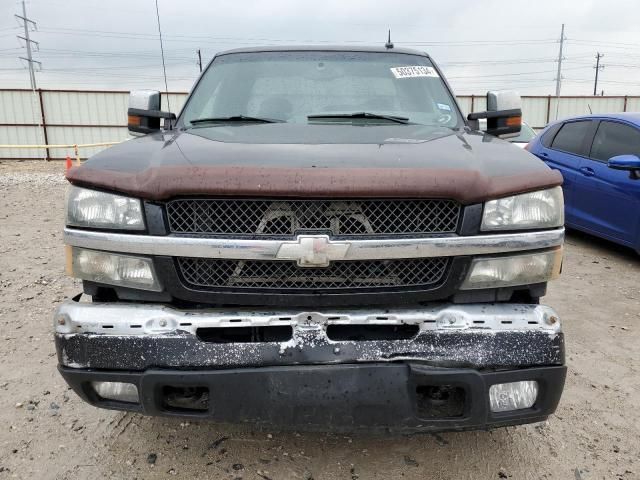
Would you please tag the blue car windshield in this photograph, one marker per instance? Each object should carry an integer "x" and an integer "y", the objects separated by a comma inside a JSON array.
[{"x": 291, "y": 86}]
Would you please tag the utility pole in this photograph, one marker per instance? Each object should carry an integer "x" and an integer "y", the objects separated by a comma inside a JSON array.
[
  {"x": 28, "y": 41},
  {"x": 598, "y": 67},
  {"x": 35, "y": 105},
  {"x": 200, "y": 60},
  {"x": 559, "y": 76}
]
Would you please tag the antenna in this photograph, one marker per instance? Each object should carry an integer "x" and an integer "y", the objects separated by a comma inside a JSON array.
[
  {"x": 388, "y": 44},
  {"x": 164, "y": 70}
]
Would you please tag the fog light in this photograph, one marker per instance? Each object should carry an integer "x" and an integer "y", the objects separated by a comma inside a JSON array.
[
  {"x": 113, "y": 269},
  {"x": 513, "y": 396},
  {"x": 495, "y": 272},
  {"x": 122, "y": 392}
]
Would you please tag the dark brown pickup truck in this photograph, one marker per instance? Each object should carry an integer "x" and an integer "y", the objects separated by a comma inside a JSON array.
[{"x": 319, "y": 240}]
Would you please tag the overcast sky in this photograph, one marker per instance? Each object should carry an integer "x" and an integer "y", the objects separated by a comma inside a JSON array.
[{"x": 489, "y": 44}]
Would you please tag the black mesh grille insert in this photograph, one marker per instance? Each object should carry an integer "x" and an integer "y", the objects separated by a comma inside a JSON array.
[
  {"x": 281, "y": 275},
  {"x": 288, "y": 217}
]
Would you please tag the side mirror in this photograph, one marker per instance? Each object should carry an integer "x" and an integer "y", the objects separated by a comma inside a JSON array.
[
  {"x": 503, "y": 115},
  {"x": 630, "y": 163},
  {"x": 144, "y": 112}
]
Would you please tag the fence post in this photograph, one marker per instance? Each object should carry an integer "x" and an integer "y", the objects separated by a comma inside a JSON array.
[
  {"x": 472, "y": 99},
  {"x": 548, "y": 108},
  {"x": 43, "y": 119},
  {"x": 624, "y": 108}
]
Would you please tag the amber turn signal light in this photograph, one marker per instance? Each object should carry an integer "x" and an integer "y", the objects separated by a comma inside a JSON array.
[
  {"x": 514, "y": 121},
  {"x": 134, "y": 120}
]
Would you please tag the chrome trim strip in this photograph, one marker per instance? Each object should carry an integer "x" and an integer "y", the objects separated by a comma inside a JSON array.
[
  {"x": 118, "y": 319},
  {"x": 379, "y": 249}
]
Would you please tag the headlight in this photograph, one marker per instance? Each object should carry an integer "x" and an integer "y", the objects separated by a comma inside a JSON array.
[
  {"x": 91, "y": 208},
  {"x": 514, "y": 270},
  {"x": 541, "y": 209},
  {"x": 112, "y": 269}
]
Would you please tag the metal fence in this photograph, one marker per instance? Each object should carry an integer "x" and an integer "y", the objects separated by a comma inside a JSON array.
[{"x": 48, "y": 117}]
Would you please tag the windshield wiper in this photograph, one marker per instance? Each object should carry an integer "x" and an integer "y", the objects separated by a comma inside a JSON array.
[
  {"x": 235, "y": 118},
  {"x": 391, "y": 118}
]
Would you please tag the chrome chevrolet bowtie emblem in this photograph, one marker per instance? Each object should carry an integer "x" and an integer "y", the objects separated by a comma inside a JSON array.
[{"x": 313, "y": 250}]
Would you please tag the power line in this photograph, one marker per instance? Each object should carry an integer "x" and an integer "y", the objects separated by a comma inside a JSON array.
[
  {"x": 588, "y": 80},
  {"x": 607, "y": 45},
  {"x": 622, "y": 65},
  {"x": 637, "y": 45},
  {"x": 251, "y": 41},
  {"x": 87, "y": 53},
  {"x": 466, "y": 63},
  {"x": 510, "y": 74},
  {"x": 136, "y": 66}
]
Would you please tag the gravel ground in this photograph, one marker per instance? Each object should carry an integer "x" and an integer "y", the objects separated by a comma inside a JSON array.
[{"x": 47, "y": 432}]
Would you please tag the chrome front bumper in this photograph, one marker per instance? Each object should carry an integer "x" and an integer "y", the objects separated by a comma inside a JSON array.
[
  {"x": 125, "y": 336},
  {"x": 381, "y": 249}
]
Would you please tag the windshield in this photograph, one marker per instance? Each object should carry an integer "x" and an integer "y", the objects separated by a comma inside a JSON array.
[
  {"x": 291, "y": 86},
  {"x": 526, "y": 134}
]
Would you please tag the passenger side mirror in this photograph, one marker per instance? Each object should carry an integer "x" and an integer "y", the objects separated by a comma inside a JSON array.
[
  {"x": 630, "y": 163},
  {"x": 503, "y": 115},
  {"x": 144, "y": 112}
]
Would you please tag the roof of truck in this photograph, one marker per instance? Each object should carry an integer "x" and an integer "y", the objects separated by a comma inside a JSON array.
[{"x": 324, "y": 48}]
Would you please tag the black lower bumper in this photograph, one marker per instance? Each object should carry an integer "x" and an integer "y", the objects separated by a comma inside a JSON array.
[{"x": 401, "y": 397}]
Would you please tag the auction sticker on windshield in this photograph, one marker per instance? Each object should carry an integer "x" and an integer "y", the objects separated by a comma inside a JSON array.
[{"x": 414, "y": 71}]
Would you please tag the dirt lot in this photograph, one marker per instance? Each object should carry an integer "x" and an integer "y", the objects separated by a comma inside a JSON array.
[{"x": 47, "y": 432}]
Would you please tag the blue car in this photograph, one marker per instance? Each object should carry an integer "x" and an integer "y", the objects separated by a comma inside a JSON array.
[{"x": 599, "y": 158}]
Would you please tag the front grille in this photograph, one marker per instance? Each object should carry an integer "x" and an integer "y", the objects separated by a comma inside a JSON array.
[
  {"x": 286, "y": 276},
  {"x": 289, "y": 217}
]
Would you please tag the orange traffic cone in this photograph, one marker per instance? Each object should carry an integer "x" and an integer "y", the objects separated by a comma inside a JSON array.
[{"x": 68, "y": 163}]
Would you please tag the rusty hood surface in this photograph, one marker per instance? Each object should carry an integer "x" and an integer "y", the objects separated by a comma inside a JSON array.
[{"x": 316, "y": 161}]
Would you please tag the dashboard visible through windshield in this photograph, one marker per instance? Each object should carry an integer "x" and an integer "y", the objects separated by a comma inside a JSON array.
[{"x": 310, "y": 87}]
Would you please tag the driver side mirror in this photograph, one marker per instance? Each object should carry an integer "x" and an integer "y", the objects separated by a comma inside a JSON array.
[
  {"x": 144, "y": 112},
  {"x": 630, "y": 163},
  {"x": 503, "y": 115}
]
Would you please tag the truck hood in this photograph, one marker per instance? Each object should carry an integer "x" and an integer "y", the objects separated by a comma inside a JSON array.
[{"x": 319, "y": 160}]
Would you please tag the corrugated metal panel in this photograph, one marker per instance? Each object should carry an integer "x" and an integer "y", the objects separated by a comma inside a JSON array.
[
  {"x": 85, "y": 108},
  {"x": 19, "y": 107},
  {"x": 80, "y": 135},
  {"x": 465, "y": 104},
  {"x": 534, "y": 111},
  {"x": 110, "y": 109},
  {"x": 633, "y": 104},
  {"x": 472, "y": 103},
  {"x": 21, "y": 136},
  {"x": 573, "y": 106},
  {"x": 604, "y": 104},
  {"x": 176, "y": 101},
  {"x": 480, "y": 103}
]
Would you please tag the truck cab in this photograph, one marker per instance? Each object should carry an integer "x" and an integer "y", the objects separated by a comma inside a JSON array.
[{"x": 319, "y": 240}]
